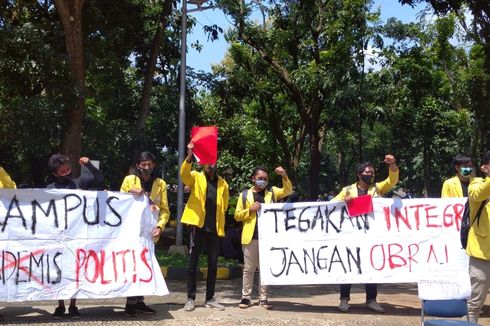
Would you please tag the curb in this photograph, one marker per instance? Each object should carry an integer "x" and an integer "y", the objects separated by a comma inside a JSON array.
[{"x": 223, "y": 273}]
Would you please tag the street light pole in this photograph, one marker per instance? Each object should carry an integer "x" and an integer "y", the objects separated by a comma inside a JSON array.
[
  {"x": 183, "y": 64},
  {"x": 182, "y": 143}
]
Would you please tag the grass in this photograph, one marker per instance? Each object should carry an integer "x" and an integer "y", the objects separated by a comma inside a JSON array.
[{"x": 176, "y": 260}]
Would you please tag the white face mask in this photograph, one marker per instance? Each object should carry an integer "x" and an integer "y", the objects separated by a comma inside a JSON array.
[{"x": 261, "y": 183}]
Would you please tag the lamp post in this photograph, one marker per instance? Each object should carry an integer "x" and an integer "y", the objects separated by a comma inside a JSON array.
[{"x": 182, "y": 143}]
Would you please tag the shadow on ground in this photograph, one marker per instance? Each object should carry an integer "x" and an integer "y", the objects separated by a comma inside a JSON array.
[{"x": 30, "y": 315}]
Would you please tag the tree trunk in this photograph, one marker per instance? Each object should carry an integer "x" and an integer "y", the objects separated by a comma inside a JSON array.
[
  {"x": 315, "y": 160},
  {"x": 144, "y": 110},
  {"x": 70, "y": 13}
]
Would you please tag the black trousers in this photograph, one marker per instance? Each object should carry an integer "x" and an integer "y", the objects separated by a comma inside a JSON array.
[
  {"x": 134, "y": 300},
  {"x": 199, "y": 240},
  {"x": 371, "y": 291}
]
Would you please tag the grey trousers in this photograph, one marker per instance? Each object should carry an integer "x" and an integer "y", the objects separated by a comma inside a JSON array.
[{"x": 479, "y": 270}]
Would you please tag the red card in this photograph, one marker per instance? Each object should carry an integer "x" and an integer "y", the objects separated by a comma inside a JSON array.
[
  {"x": 205, "y": 141},
  {"x": 360, "y": 205}
]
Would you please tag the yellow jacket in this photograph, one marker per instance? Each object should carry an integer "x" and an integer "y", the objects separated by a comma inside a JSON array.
[
  {"x": 452, "y": 188},
  {"x": 158, "y": 195},
  {"x": 249, "y": 219},
  {"x": 195, "y": 211},
  {"x": 5, "y": 181},
  {"x": 479, "y": 235},
  {"x": 376, "y": 190}
]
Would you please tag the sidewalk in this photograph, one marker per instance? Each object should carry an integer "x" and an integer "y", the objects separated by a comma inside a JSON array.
[{"x": 293, "y": 305}]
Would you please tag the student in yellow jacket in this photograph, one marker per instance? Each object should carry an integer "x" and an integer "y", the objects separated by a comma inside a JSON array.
[
  {"x": 205, "y": 214},
  {"x": 457, "y": 186},
  {"x": 145, "y": 181},
  {"x": 247, "y": 212},
  {"x": 478, "y": 247},
  {"x": 365, "y": 185},
  {"x": 5, "y": 180}
]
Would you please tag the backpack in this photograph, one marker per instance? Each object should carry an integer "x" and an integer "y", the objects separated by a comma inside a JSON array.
[
  {"x": 244, "y": 197},
  {"x": 466, "y": 224}
]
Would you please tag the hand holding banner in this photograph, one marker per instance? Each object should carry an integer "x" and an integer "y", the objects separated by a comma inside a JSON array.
[{"x": 205, "y": 141}]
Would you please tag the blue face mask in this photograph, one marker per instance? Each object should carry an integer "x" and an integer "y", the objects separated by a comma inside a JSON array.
[
  {"x": 261, "y": 183},
  {"x": 465, "y": 171}
]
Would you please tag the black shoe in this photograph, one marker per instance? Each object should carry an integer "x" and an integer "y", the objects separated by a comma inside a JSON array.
[
  {"x": 73, "y": 312},
  {"x": 265, "y": 304},
  {"x": 141, "y": 306},
  {"x": 130, "y": 310},
  {"x": 245, "y": 303},
  {"x": 59, "y": 313}
]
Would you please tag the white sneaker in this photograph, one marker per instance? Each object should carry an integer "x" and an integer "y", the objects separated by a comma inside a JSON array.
[
  {"x": 344, "y": 305},
  {"x": 189, "y": 305},
  {"x": 211, "y": 303},
  {"x": 374, "y": 306}
]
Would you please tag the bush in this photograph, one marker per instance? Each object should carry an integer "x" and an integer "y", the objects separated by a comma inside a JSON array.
[{"x": 177, "y": 260}]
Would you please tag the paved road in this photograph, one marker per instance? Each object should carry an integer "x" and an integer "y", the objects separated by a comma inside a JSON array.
[{"x": 293, "y": 305}]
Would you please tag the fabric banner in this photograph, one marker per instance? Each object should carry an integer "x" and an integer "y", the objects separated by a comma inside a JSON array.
[
  {"x": 62, "y": 244},
  {"x": 400, "y": 241}
]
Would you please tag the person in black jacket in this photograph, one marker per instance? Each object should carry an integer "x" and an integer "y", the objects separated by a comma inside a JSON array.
[{"x": 60, "y": 169}]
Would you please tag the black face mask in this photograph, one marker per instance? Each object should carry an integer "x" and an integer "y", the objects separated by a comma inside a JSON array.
[
  {"x": 146, "y": 171},
  {"x": 211, "y": 170},
  {"x": 64, "y": 178},
  {"x": 367, "y": 179}
]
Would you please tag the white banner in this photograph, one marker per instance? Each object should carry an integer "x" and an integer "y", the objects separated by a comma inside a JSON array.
[
  {"x": 317, "y": 243},
  {"x": 61, "y": 244}
]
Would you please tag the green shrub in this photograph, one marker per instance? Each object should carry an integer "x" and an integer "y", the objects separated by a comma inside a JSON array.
[{"x": 177, "y": 260}]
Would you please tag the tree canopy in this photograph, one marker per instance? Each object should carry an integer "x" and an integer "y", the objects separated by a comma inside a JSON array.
[{"x": 316, "y": 86}]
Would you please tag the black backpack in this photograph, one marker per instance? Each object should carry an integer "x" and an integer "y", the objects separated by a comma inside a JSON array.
[{"x": 465, "y": 221}]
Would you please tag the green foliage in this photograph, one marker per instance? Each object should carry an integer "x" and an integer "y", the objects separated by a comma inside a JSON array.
[
  {"x": 176, "y": 260},
  {"x": 296, "y": 90},
  {"x": 415, "y": 104},
  {"x": 34, "y": 87},
  {"x": 427, "y": 103}
]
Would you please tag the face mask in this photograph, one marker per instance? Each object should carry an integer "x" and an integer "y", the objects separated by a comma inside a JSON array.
[
  {"x": 211, "y": 169},
  {"x": 64, "y": 178},
  {"x": 261, "y": 183},
  {"x": 367, "y": 179},
  {"x": 465, "y": 171},
  {"x": 146, "y": 171}
]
